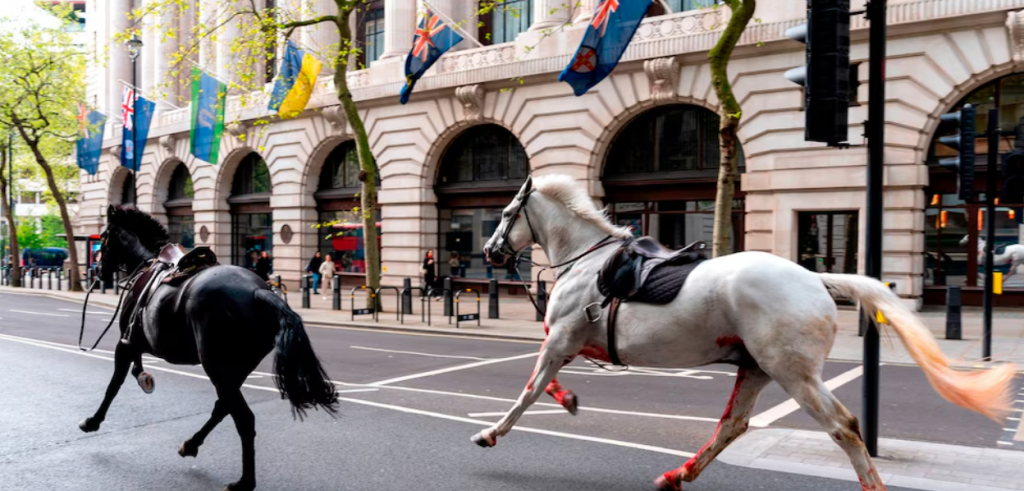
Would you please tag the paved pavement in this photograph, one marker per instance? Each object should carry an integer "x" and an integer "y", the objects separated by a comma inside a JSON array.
[{"x": 410, "y": 402}]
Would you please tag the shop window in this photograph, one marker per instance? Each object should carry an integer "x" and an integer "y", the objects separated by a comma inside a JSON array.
[{"x": 827, "y": 241}]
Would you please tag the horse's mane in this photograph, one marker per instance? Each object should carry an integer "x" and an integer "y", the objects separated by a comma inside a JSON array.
[
  {"x": 566, "y": 190},
  {"x": 150, "y": 233}
]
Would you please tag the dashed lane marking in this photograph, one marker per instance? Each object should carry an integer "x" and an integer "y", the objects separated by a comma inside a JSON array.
[
  {"x": 502, "y": 413},
  {"x": 37, "y": 313},
  {"x": 79, "y": 312},
  {"x": 786, "y": 408},
  {"x": 416, "y": 353}
]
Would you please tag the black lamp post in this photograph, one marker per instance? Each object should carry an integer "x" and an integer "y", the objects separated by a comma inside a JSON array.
[{"x": 134, "y": 46}]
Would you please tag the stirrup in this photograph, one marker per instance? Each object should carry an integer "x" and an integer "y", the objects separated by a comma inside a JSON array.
[{"x": 146, "y": 382}]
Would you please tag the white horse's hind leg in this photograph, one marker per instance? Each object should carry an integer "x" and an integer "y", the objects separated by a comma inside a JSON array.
[{"x": 749, "y": 383}]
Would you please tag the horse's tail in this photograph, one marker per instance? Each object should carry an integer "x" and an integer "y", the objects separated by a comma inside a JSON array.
[
  {"x": 297, "y": 371},
  {"x": 984, "y": 391}
]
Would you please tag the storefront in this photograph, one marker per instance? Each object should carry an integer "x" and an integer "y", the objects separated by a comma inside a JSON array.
[
  {"x": 339, "y": 220},
  {"x": 180, "y": 218},
  {"x": 251, "y": 218}
]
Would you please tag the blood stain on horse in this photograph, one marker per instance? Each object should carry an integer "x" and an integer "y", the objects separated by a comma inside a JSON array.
[
  {"x": 595, "y": 352},
  {"x": 724, "y": 341}
]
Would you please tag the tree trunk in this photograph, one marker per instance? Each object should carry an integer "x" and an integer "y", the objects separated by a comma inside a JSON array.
[
  {"x": 75, "y": 281},
  {"x": 730, "y": 112},
  {"x": 9, "y": 213},
  {"x": 368, "y": 176}
]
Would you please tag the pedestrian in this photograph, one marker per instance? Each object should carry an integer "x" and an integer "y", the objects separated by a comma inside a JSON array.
[
  {"x": 429, "y": 272},
  {"x": 326, "y": 270},
  {"x": 313, "y": 268},
  {"x": 263, "y": 266},
  {"x": 454, "y": 263},
  {"x": 346, "y": 261}
]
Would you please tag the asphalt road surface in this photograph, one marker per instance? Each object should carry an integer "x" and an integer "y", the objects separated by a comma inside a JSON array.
[{"x": 410, "y": 402}]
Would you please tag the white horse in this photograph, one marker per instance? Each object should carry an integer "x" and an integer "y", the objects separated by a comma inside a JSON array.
[
  {"x": 772, "y": 318},
  {"x": 1012, "y": 255}
]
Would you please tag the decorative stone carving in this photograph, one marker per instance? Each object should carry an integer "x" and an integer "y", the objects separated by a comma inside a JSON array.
[
  {"x": 287, "y": 234},
  {"x": 204, "y": 234},
  {"x": 168, "y": 142},
  {"x": 472, "y": 99},
  {"x": 1015, "y": 26},
  {"x": 663, "y": 75},
  {"x": 336, "y": 116},
  {"x": 239, "y": 129}
]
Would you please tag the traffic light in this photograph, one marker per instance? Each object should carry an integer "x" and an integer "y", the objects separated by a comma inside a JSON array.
[
  {"x": 826, "y": 76},
  {"x": 963, "y": 142}
]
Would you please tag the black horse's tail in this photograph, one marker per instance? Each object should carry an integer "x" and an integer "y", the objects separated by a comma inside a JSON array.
[{"x": 297, "y": 371}]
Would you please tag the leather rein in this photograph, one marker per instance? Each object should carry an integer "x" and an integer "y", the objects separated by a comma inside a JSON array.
[{"x": 125, "y": 285}]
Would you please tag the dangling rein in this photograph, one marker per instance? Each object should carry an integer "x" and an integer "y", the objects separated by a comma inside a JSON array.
[{"x": 125, "y": 286}]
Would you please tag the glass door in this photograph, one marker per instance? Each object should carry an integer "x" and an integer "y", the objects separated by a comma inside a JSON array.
[{"x": 827, "y": 241}]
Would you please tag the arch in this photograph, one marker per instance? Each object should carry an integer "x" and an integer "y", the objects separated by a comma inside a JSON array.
[
  {"x": 485, "y": 155},
  {"x": 161, "y": 183},
  {"x": 432, "y": 160},
  {"x": 118, "y": 179},
  {"x": 311, "y": 177},
  {"x": 226, "y": 174}
]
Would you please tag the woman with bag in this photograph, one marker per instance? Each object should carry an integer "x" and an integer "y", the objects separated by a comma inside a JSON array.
[{"x": 429, "y": 271}]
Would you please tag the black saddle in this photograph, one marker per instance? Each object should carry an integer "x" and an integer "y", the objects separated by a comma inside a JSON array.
[
  {"x": 642, "y": 270},
  {"x": 191, "y": 263}
]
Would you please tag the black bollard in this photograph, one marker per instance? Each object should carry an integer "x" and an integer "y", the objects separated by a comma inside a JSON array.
[
  {"x": 407, "y": 296},
  {"x": 24, "y": 275},
  {"x": 542, "y": 300},
  {"x": 449, "y": 299},
  {"x": 954, "y": 327},
  {"x": 49, "y": 279},
  {"x": 60, "y": 278},
  {"x": 35, "y": 274},
  {"x": 305, "y": 290},
  {"x": 336, "y": 292},
  {"x": 492, "y": 299}
]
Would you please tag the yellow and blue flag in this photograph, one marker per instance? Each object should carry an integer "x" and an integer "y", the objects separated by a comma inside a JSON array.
[
  {"x": 607, "y": 36},
  {"x": 294, "y": 86},
  {"x": 433, "y": 38}
]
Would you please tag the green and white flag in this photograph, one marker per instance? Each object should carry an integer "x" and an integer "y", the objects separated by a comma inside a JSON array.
[{"x": 209, "y": 97}]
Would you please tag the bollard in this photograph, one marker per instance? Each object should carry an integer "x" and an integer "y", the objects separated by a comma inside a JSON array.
[
  {"x": 449, "y": 300},
  {"x": 305, "y": 290},
  {"x": 542, "y": 300},
  {"x": 406, "y": 296},
  {"x": 60, "y": 278},
  {"x": 954, "y": 327},
  {"x": 492, "y": 299},
  {"x": 49, "y": 279},
  {"x": 336, "y": 292},
  {"x": 24, "y": 274}
]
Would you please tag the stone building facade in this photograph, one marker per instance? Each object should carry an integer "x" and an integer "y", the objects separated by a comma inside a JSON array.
[{"x": 642, "y": 141}]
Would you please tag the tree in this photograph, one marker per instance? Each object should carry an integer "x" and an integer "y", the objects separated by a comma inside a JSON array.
[
  {"x": 28, "y": 235},
  {"x": 730, "y": 112},
  {"x": 42, "y": 81},
  {"x": 9, "y": 214}
]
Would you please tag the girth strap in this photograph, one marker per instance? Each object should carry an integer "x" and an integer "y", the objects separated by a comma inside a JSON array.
[{"x": 613, "y": 352}]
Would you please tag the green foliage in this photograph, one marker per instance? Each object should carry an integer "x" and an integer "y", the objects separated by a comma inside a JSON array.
[
  {"x": 52, "y": 227},
  {"x": 28, "y": 235}
]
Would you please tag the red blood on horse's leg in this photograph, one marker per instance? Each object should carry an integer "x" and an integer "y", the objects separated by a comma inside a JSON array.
[
  {"x": 724, "y": 341},
  {"x": 596, "y": 352}
]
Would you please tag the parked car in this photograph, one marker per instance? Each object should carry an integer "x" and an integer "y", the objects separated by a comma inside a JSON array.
[{"x": 48, "y": 258}]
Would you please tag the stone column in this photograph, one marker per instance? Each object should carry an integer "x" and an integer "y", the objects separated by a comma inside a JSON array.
[
  {"x": 207, "y": 19},
  {"x": 455, "y": 11},
  {"x": 584, "y": 12},
  {"x": 322, "y": 40},
  {"x": 399, "y": 26},
  {"x": 146, "y": 63},
  {"x": 549, "y": 14},
  {"x": 227, "y": 60},
  {"x": 164, "y": 50},
  {"x": 463, "y": 13},
  {"x": 119, "y": 65}
]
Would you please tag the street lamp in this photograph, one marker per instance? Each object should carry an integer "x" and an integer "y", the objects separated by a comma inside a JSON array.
[{"x": 134, "y": 46}]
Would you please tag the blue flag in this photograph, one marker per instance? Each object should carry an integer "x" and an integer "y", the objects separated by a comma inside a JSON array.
[
  {"x": 208, "y": 101},
  {"x": 137, "y": 114},
  {"x": 607, "y": 37},
  {"x": 143, "y": 118},
  {"x": 90, "y": 138},
  {"x": 432, "y": 39}
]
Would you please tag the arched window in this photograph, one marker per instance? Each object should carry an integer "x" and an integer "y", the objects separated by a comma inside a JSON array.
[
  {"x": 480, "y": 172},
  {"x": 341, "y": 229},
  {"x": 251, "y": 216},
  {"x": 341, "y": 168},
  {"x": 660, "y": 176},
  {"x": 180, "y": 219},
  {"x": 128, "y": 189}
]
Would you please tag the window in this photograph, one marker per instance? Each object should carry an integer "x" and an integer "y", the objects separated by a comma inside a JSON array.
[
  {"x": 373, "y": 30},
  {"x": 484, "y": 153},
  {"x": 341, "y": 169},
  {"x": 252, "y": 177},
  {"x": 506, "y": 20},
  {"x": 676, "y": 224},
  {"x": 181, "y": 184},
  {"x": 128, "y": 189},
  {"x": 827, "y": 241},
  {"x": 679, "y": 6}
]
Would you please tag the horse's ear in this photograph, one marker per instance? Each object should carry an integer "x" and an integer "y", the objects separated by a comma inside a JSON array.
[
  {"x": 110, "y": 211},
  {"x": 527, "y": 186}
]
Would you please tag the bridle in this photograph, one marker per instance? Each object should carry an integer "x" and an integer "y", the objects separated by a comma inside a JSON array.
[{"x": 124, "y": 285}]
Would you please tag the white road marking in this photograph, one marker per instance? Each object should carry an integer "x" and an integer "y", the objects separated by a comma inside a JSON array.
[
  {"x": 353, "y": 391},
  {"x": 253, "y": 376},
  {"x": 415, "y": 353},
  {"x": 786, "y": 408},
  {"x": 37, "y": 313},
  {"x": 79, "y": 312},
  {"x": 502, "y": 413},
  {"x": 451, "y": 369},
  {"x": 408, "y": 410},
  {"x": 1009, "y": 444}
]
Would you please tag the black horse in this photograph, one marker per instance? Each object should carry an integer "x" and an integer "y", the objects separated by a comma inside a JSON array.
[{"x": 224, "y": 318}]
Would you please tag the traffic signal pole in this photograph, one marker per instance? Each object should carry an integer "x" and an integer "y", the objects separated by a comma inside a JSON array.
[
  {"x": 875, "y": 131},
  {"x": 990, "y": 231}
]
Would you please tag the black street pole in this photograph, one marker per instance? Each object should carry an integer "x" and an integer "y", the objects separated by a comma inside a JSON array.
[
  {"x": 990, "y": 230},
  {"x": 876, "y": 13},
  {"x": 10, "y": 186},
  {"x": 135, "y": 153}
]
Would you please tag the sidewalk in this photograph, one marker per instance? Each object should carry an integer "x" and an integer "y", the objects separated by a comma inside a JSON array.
[
  {"x": 518, "y": 322},
  {"x": 914, "y": 465}
]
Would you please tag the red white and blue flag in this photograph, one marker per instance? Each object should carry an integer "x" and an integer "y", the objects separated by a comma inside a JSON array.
[
  {"x": 610, "y": 30},
  {"x": 433, "y": 38},
  {"x": 137, "y": 114},
  {"x": 128, "y": 107}
]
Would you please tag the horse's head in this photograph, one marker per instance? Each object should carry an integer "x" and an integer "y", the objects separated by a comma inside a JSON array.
[
  {"x": 964, "y": 240},
  {"x": 515, "y": 232},
  {"x": 130, "y": 238}
]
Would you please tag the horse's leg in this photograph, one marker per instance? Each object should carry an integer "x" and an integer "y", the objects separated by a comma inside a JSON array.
[
  {"x": 190, "y": 448},
  {"x": 144, "y": 378},
  {"x": 565, "y": 397},
  {"x": 548, "y": 364},
  {"x": 749, "y": 383},
  {"x": 123, "y": 356},
  {"x": 245, "y": 423}
]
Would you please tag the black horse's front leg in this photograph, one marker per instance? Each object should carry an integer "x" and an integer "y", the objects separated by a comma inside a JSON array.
[
  {"x": 190, "y": 448},
  {"x": 245, "y": 423},
  {"x": 124, "y": 354}
]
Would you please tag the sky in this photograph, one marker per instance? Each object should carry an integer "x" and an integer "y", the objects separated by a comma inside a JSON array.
[{"x": 17, "y": 11}]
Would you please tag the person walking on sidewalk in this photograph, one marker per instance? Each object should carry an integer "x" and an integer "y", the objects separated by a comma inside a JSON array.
[
  {"x": 313, "y": 268},
  {"x": 263, "y": 267},
  {"x": 453, "y": 262},
  {"x": 326, "y": 269},
  {"x": 429, "y": 271}
]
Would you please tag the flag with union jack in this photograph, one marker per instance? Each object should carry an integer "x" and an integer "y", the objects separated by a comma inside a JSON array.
[
  {"x": 607, "y": 36},
  {"x": 433, "y": 38}
]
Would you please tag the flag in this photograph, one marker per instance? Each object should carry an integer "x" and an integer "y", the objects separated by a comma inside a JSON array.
[
  {"x": 607, "y": 37},
  {"x": 294, "y": 85},
  {"x": 432, "y": 39},
  {"x": 90, "y": 138},
  {"x": 138, "y": 114},
  {"x": 208, "y": 101}
]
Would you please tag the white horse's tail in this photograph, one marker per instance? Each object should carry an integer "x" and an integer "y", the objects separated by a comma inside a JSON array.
[{"x": 985, "y": 391}]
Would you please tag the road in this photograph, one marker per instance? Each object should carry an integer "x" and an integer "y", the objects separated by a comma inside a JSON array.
[{"x": 410, "y": 402}]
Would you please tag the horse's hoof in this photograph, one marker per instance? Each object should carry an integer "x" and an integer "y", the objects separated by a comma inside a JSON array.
[
  {"x": 482, "y": 440},
  {"x": 570, "y": 403},
  {"x": 146, "y": 382},
  {"x": 188, "y": 449},
  {"x": 89, "y": 425},
  {"x": 241, "y": 485},
  {"x": 664, "y": 484}
]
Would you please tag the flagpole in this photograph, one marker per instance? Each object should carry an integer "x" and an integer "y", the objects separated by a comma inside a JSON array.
[
  {"x": 452, "y": 24},
  {"x": 664, "y": 5},
  {"x": 136, "y": 89}
]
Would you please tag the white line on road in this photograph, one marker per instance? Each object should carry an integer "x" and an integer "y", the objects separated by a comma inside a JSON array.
[
  {"x": 37, "y": 313},
  {"x": 451, "y": 369},
  {"x": 79, "y": 312},
  {"x": 502, "y": 413},
  {"x": 786, "y": 408},
  {"x": 353, "y": 391},
  {"x": 432, "y": 355}
]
